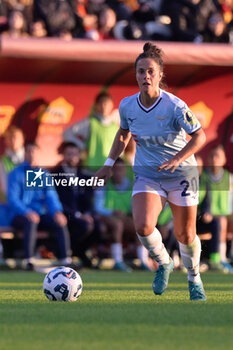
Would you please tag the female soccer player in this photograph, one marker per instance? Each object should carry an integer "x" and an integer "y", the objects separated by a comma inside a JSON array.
[{"x": 165, "y": 168}]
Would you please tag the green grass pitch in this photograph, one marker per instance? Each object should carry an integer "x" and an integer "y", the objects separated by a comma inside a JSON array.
[{"x": 115, "y": 311}]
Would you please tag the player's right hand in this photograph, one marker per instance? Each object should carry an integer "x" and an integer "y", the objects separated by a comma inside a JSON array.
[{"x": 104, "y": 173}]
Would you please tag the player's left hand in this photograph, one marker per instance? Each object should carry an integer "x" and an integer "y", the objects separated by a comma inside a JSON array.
[{"x": 170, "y": 164}]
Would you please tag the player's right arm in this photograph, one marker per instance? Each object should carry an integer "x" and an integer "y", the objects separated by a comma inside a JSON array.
[{"x": 119, "y": 144}]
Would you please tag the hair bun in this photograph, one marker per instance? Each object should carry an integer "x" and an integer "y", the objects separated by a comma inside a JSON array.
[
  {"x": 148, "y": 47},
  {"x": 152, "y": 49}
]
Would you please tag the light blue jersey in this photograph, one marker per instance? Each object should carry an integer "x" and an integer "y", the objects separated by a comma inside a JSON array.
[{"x": 159, "y": 133}]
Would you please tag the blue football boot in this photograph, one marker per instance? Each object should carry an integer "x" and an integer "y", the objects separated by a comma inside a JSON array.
[
  {"x": 162, "y": 276},
  {"x": 196, "y": 291}
]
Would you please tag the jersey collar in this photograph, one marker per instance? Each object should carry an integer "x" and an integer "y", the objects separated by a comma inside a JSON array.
[{"x": 147, "y": 110}]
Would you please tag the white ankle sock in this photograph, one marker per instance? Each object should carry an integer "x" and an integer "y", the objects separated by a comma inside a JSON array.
[
  {"x": 142, "y": 254},
  {"x": 153, "y": 243},
  {"x": 117, "y": 252},
  {"x": 190, "y": 255},
  {"x": 223, "y": 251}
]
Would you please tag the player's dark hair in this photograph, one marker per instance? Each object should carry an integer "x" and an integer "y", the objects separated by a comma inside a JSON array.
[
  {"x": 64, "y": 145},
  {"x": 103, "y": 95},
  {"x": 151, "y": 51}
]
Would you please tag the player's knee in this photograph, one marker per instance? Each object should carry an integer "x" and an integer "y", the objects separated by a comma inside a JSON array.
[
  {"x": 186, "y": 236},
  {"x": 144, "y": 229}
]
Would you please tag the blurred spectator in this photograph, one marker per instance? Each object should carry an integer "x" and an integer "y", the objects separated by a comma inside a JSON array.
[
  {"x": 136, "y": 28},
  {"x": 89, "y": 19},
  {"x": 220, "y": 181},
  {"x": 180, "y": 20},
  {"x": 123, "y": 9},
  {"x": 183, "y": 14},
  {"x": 96, "y": 133},
  {"x": 77, "y": 203},
  {"x": 217, "y": 30},
  {"x": 145, "y": 23},
  {"x": 38, "y": 30},
  {"x": 17, "y": 26},
  {"x": 59, "y": 16},
  {"x": 205, "y": 8},
  {"x": 13, "y": 155},
  {"x": 145, "y": 12},
  {"x": 106, "y": 24},
  {"x": 113, "y": 204},
  {"x": 39, "y": 208},
  {"x": 95, "y": 6}
]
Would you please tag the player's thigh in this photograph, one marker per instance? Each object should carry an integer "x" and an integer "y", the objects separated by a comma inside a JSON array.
[
  {"x": 146, "y": 208},
  {"x": 184, "y": 222}
]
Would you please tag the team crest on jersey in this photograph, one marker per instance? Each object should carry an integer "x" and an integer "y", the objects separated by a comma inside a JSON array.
[{"x": 190, "y": 118}]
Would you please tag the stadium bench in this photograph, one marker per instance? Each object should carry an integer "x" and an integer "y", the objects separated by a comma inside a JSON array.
[{"x": 9, "y": 232}]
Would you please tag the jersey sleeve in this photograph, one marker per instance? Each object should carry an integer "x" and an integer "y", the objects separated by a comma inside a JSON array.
[
  {"x": 185, "y": 119},
  {"x": 124, "y": 122}
]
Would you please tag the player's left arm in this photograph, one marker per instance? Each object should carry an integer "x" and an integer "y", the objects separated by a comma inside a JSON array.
[{"x": 197, "y": 140}]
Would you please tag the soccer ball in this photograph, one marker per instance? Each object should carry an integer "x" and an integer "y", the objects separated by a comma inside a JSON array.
[{"x": 62, "y": 284}]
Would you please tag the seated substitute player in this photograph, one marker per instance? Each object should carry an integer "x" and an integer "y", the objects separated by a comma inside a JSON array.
[
  {"x": 220, "y": 182},
  {"x": 13, "y": 155},
  {"x": 77, "y": 203},
  {"x": 31, "y": 209},
  {"x": 165, "y": 168}
]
